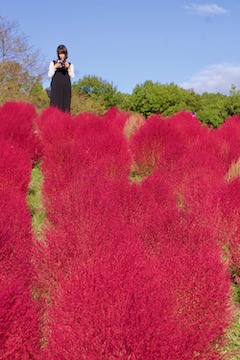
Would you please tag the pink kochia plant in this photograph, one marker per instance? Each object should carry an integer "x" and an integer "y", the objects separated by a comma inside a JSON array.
[
  {"x": 77, "y": 146},
  {"x": 18, "y": 127},
  {"x": 229, "y": 134},
  {"x": 123, "y": 290},
  {"x": 125, "y": 270},
  {"x": 15, "y": 168},
  {"x": 228, "y": 221},
  {"x": 19, "y": 331},
  {"x": 116, "y": 118},
  {"x": 19, "y": 147}
]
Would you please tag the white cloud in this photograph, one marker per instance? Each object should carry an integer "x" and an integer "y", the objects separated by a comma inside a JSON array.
[
  {"x": 214, "y": 78},
  {"x": 205, "y": 9}
]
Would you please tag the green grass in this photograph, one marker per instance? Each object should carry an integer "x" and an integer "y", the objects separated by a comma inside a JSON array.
[
  {"x": 34, "y": 200},
  {"x": 232, "y": 348}
]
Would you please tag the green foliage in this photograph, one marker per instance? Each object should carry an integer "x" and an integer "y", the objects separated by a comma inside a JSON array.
[
  {"x": 123, "y": 101},
  {"x": 38, "y": 96},
  {"x": 233, "y": 104},
  {"x": 84, "y": 103},
  {"x": 98, "y": 89},
  {"x": 233, "y": 339},
  {"x": 34, "y": 200},
  {"x": 214, "y": 109},
  {"x": 236, "y": 293},
  {"x": 152, "y": 98}
]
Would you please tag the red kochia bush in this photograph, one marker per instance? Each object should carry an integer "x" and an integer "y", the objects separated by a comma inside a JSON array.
[
  {"x": 117, "y": 118},
  {"x": 114, "y": 297},
  {"x": 161, "y": 143},
  {"x": 54, "y": 126},
  {"x": 187, "y": 125},
  {"x": 119, "y": 302},
  {"x": 227, "y": 217},
  {"x": 15, "y": 168},
  {"x": 103, "y": 144},
  {"x": 149, "y": 145},
  {"x": 74, "y": 146},
  {"x": 19, "y": 332},
  {"x": 229, "y": 133},
  {"x": 17, "y": 125},
  {"x": 16, "y": 238},
  {"x": 128, "y": 274}
]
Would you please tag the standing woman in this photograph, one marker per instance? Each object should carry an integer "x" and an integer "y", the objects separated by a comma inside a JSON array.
[{"x": 61, "y": 71}]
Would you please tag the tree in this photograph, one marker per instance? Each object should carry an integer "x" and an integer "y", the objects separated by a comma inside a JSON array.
[
  {"x": 123, "y": 101},
  {"x": 233, "y": 105},
  {"x": 98, "y": 89},
  {"x": 151, "y": 98},
  {"x": 214, "y": 109},
  {"x": 21, "y": 67}
]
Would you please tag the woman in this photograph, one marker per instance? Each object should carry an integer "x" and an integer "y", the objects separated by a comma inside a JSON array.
[{"x": 61, "y": 71}]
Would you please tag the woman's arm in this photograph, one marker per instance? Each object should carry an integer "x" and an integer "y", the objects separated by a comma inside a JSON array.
[
  {"x": 51, "y": 70},
  {"x": 71, "y": 71}
]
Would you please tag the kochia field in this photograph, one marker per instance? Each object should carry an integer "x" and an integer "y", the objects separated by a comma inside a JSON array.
[{"x": 140, "y": 244}]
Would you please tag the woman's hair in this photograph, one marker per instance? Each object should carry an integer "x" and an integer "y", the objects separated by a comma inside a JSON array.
[{"x": 62, "y": 50}]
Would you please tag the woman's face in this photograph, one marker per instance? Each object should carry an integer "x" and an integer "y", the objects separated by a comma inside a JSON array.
[{"x": 62, "y": 56}]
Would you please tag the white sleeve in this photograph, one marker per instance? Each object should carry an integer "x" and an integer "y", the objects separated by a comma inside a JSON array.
[
  {"x": 71, "y": 71},
  {"x": 51, "y": 70}
]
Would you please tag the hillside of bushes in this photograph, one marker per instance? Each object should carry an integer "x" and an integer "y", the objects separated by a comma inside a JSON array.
[{"x": 119, "y": 235}]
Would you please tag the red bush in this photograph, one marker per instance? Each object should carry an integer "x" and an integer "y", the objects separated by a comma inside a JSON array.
[
  {"x": 227, "y": 221},
  {"x": 20, "y": 336},
  {"x": 119, "y": 302},
  {"x": 149, "y": 145},
  {"x": 19, "y": 331},
  {"x": 108, "y": 289},
  {"x": 15, "y": 168},
  {"x": 117, "y": 118},
  {"x": 74, "y": 146},
  {"x": 18, "y": 126},
  {"x": 229, "y": 134},
  {"x": 161, "y": 143},
  {"x": 131, "y": 273}
]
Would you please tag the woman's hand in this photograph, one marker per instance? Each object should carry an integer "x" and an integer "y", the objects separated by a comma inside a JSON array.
[
  {"x": 57, "y": 64},
  {"x": 66, "y": 64}
]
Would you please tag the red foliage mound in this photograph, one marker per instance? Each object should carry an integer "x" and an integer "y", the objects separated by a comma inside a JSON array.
[
  {"x": 120, "y": 289},
  {"x": 161, "y": 143},
  {"x": 117, "y": 301},
  {"x": 131, "y": 271},
  {"x": 227, "y": 217},
  {"x": 17, "y": 125},
  {"x": 15, "y": 168},
  {"x": 116, "y": 118},
  {"x": 74, "y": 146},
  {"x": 229, "y": 133},
  {"x": 149, "y": 145},
  {"x": 20, "y": 336}
]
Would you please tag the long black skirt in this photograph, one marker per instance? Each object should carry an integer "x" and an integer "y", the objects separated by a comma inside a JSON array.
[{"x": 61, "y": 90}]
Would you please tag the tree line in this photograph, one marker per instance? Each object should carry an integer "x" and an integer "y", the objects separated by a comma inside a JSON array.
[{"x": 22, "y": 73}]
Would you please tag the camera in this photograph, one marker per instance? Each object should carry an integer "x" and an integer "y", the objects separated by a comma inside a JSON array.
[{"x": 62, "y": 62}]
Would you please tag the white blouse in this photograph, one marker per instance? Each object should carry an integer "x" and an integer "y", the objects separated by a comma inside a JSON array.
[{"x": 51, "y": 70}]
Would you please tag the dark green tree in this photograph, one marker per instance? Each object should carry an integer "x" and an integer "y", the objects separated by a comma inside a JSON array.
[
  {"x": 152, "y": 98},
  {"x": 98, "y": 89},
  {"x": 233, "y": 104},
  {"x": 214, "y": 109}
]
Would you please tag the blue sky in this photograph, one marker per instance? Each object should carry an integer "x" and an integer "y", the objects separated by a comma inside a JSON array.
[{"x": 194, "y": 44}]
